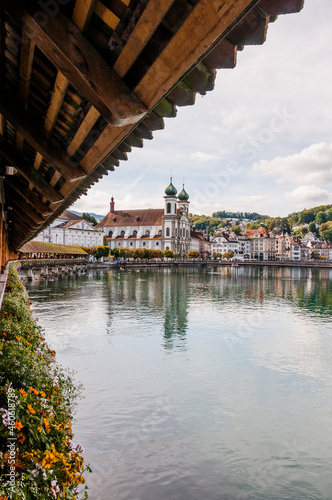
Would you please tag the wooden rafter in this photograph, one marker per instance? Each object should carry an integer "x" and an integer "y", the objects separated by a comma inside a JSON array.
[
  {"x": 15, "y": 183},
  {"x": 143, "y": 31},
  {"x": 208, "y": 22},
  {"x": 26, "y": 60},
  {"x": 29, "y": 173},
  {"x": 74, "y": 56},
  {"x": 35, "y": 135}
]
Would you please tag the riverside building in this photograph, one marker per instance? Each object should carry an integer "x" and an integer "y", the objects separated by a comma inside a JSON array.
[
  {"x": 165, "y": 228},
  {"x": 71, "y": 229}
]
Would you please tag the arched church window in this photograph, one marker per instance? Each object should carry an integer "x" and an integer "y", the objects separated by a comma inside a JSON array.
[
  {"x": 169, "y": 208},
  {"x": 110, "y": 234},
  {"x": 122, "y": 234},
  {"x": 147, "y": 233},
  {"x": 167, "y": 231},
  {"x": 160, "y": 231},
  {"x": 135, "y": 233}
]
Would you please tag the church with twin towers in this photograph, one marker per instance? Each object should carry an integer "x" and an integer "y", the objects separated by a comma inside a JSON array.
[{"x": 165, "y": 228}]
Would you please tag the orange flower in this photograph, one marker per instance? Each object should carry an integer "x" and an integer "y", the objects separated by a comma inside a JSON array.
[
  {"x": 47, "y": 425},
  {"x": 33, "y": 390},
  {"x": 43, "y": 395},
  {"x": 31, "y": 410},
  {"x": 21, "y": 437},
  {"x": 18, "y": 338},
  {"x": 39, "y": 429},
  {"x": 22, "y": 391},
  {"x": 18, "y": 426}
]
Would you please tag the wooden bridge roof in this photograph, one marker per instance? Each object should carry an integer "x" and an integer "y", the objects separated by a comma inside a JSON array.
[{"x": 85, "y": 81}]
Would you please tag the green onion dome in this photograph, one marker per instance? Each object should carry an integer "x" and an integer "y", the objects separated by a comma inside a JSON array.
[
  {"x": 170, "y": 190},
  {"x": 183, "y": 196}
]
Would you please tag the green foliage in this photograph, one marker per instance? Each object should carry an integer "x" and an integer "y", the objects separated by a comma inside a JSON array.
[
  {"x": 41, "y": 396},
  {"x": 312, "y": 227},
  {"x": 228, "y": 255},
  {"x": 301, "y": 231},
  {"x": 325, "y": 231},
  {"x": 105, "y": 241},
  {"x": 236, "y": 229},
  {"x": 90, "y": 218},
  {"x": 239, "y": 215},
  {"x": 168, "y": 254},
  {"x": 193, "y": 255},
  {"x": 216, "y": 255},
  {"x": 252, "y": 226}
]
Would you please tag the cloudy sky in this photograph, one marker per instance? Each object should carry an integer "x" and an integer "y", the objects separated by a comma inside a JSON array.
[{"x": 260, "y": 141}]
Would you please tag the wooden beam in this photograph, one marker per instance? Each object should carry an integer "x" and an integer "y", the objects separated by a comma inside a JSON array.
[
  {"x": 24, "y": 218},
  {"x": 15, "y": 183},
  {"x": 14, "y": 199},
  {"x": 146, "y": 26},
  {"x": 87, "y": 124},
  {"x": 83, "y": 11},
  {"x": 276, "y": 7},
  {"x": 29, "y": 173},
  {"x": 74, "y": 56},
  {"x": 35, "y": 136},
  {"x": 207, "y": 22},
  {"x": 59, "y": 92},
  {"x": 26, "y": 60}
]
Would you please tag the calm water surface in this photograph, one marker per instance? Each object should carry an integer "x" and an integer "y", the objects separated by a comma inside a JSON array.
[{"x": 199, "y": 385}]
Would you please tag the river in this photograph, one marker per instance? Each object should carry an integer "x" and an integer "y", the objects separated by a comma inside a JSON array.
[{"x": 199, "y": 384}]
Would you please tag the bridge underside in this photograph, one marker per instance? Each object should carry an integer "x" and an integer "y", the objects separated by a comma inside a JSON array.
[{"x": 85, "y": 81}]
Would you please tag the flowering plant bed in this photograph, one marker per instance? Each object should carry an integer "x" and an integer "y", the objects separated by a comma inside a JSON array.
[{"x": 38, "y": 458}]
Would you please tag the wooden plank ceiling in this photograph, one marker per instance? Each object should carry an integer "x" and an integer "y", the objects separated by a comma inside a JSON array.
[{"x": 83, "y": 82}]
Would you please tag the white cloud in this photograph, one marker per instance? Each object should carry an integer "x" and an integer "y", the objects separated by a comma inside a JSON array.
[
  {"x": 203, "y": 157},
  {"x": 308, "y": 196},
  {"x": 313, "y": 165}
]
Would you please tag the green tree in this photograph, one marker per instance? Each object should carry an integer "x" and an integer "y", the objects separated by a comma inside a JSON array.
[
  {"x": 168, "y": 254},
  {"x": 228, "y": 255},
  {"x": 329, "y": 214},
  {"x": 312, "y": 227},
  {"x": 236, "y": 229},
  {"x": 320, "y": 218},
  {"x": 90, "y": 218},
  {"x": 306, "y": 216},
  {"x": 105, "y": 240},
  {"x": 193, "y": 254},
  {"x": 102, "y": 251},
  {"x": 216, "y": 255}
]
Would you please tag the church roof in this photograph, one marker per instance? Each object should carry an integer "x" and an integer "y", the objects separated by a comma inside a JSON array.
[
  {"x": 147, "y": 217},
  {"x": 70, "y": 216}
]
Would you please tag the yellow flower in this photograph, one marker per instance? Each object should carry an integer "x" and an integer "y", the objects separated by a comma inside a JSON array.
[
  {"x": 31, "y": 410},
  {"x": 39, "y": 429},
  {"x": 43, "y": 395}
]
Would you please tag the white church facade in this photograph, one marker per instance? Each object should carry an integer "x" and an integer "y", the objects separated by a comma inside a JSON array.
[
  {"x": 71, "y": 229},
  {"x": 157, "y": 229}
]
